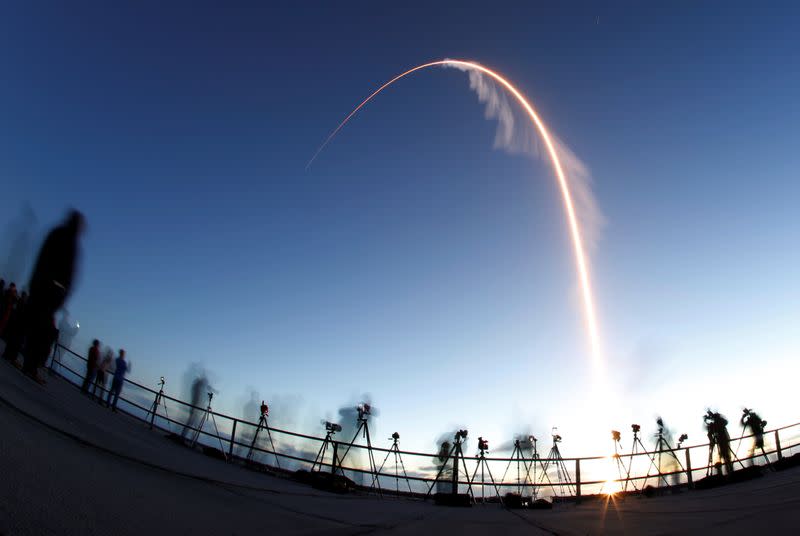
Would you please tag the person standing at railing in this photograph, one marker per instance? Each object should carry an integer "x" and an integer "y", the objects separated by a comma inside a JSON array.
[
  {"x": 15, "y": 330},
  {"x": 50, "y": 286},
  {"x": 121, "y": 367},
  {"x": 100, "y": 375},
  {"x": 7, "y": 308},
  {"x": 200, "y": 389},
  {"x": 92, "y": 362}
]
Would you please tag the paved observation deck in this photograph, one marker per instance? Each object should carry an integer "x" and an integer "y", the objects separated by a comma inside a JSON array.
[{"x": 70, "y": 466}]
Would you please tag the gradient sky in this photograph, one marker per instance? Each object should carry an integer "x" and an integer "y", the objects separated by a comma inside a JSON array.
[{"x": 413, "y": 261}]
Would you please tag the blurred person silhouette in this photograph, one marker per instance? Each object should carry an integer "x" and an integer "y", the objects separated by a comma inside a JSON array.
[
  {"x": 717, "y": 432},
  {"x": 92, "y": 362},
  {"x": 100, "y": 374},
  {"x": 15, "y": 330},
  {"x": 252, "y": 413},
  {"x": 121, "y": 368},
  {"x": 199, "y": 391},
  {"x": 67, "y": 330},
  {"x": 443, "y": 468},
  {"x": 667, "y": 459},
  {"x": 50, "y": 286},
  {"x": 752, "y": 421},
  {"x": 7, "y": 307}
]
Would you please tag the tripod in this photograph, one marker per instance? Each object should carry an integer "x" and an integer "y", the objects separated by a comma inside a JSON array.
[
  {"x": 330, "y": 429},
  {"x": 620, "y": 465},
  {"x": 715, "y": 444},
  {"x": 203, "y": 422},
  {"x": 561, "y": 468},
  {"x": 363, "y": 427},
  {"x": 395, "y": 449},
  {"x": 263, "y": 425},
  {"x": 483, "y": 465},
  {"x": 663, "y": 448},
  {"x": 455, "y": 453},
  {"x": 159, "y": 401},
  {"x": 637, "y": 444},
  {"x": 518, "y": 458}
]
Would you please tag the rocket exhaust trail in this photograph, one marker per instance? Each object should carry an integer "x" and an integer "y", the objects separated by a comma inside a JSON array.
[{"x": 569, "y": 205}]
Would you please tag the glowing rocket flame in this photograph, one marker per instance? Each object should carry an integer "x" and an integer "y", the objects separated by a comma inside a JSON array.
[{"x": 574, "y": 227}]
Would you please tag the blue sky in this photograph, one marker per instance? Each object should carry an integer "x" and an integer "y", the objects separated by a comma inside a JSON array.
[{"x": 413, "y": 261}]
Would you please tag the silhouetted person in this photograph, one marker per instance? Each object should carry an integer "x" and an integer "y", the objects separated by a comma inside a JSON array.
[
  {"x": 100, "y": 374},
  {"x": 7, "y": 307},
  {"x": 121, "y": 367},
  {"x": 442, "y": 461},
  {"x": 717, "y": 431},
  {"x": 92, "y": 362},
  {"x": 200, "y": 390},
  {"x": 49, "y": 288},
  {"x": 15, "y": 330},
  {"x": 753, "y": 422}
]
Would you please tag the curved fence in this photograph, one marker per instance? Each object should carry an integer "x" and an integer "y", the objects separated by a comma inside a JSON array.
[{"x": 395, "y": 471}]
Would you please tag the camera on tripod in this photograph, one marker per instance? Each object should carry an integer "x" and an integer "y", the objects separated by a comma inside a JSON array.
[
  {"x": 332, "y": 427},
  {"x": 264, "y": 409},
  {"x": 710, "y": 418},
  {"x": 483, "y": 444},
  {"x": 395, "y": 436},
  {"x": 161, "y": 382},
  {"x": 363, "y": 409},
  {"x": 635, "y": 428},
  {"x": 752, "y": 420},
  {"x": 682, "y": 438},
  {"x": 461, "y": 435},
  {"x": 615, "y": 435},
  {"x": 210, "y": 396}
]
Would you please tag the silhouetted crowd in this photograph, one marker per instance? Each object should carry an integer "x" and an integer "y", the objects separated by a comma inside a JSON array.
[{"x": 27, "y": 319}]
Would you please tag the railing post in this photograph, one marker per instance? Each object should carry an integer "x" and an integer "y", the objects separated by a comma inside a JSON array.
[
  {"x": 689, "y": 470},
  {"x": 335, "y": 459},
  {"x": 578, "y": 480},
  {"x": 455, "y": 473},
  {"x": 233, "y": 436},
  {"x": 778, "y": 444},
  {"x": 53, "y": 360}
]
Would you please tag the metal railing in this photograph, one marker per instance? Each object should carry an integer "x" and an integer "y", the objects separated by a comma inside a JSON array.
[{"x": 537, "y": 476}]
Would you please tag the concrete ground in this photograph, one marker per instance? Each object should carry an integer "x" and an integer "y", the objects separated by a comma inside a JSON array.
[{"x": 69, "y": 466}]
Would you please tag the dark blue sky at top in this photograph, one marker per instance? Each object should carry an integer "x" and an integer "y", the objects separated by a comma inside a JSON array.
[{"x": 411, "y": 247}]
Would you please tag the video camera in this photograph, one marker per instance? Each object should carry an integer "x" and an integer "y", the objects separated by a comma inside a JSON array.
[
  {"x": 752, "y": 420},
  {"x": 395, "y": 436},
  {"x": 483, "y": 444},
  {"x": 363, "y": 409},
  {"x": 332, "y": 427},
  {"x": 635, "y": 428},
  {"x": 615, "y": 435},
  {"x": 461, "y": 435},
  {"x": 264, "y": 409}
]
